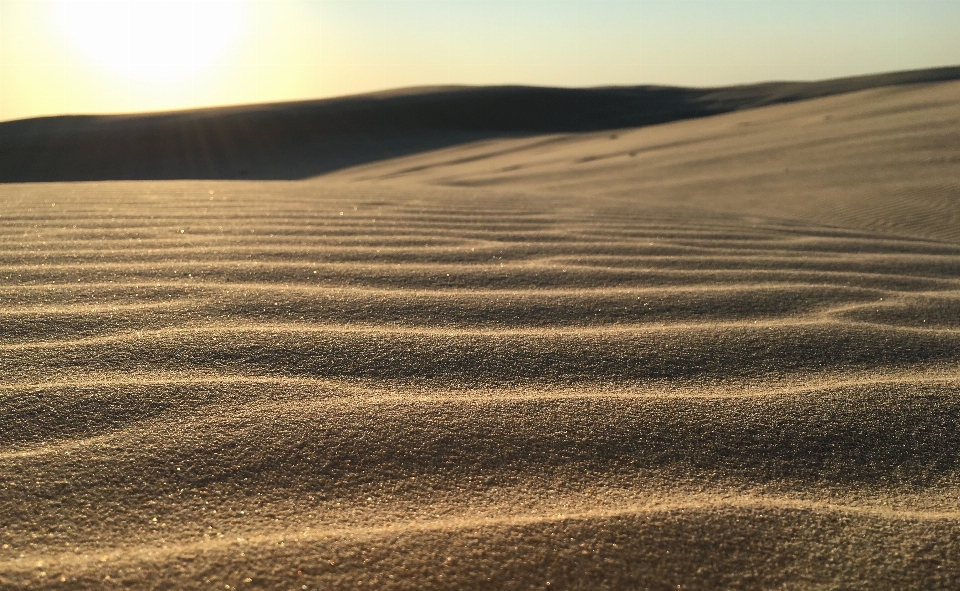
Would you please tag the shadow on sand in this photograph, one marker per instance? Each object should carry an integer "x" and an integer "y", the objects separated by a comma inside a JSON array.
[{"x": 305, "y": 139}]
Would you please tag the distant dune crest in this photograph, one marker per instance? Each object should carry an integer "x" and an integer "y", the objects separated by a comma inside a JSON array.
[{"x": 305, "y": 139}]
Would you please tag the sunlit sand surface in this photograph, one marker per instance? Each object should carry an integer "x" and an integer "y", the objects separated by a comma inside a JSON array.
[{"x": 719, "y": 353}]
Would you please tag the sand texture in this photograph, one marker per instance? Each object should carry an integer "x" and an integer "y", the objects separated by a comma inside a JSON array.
[{"x": 707, "y": 354}]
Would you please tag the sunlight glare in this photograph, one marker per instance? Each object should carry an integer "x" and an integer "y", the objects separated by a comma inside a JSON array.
[{"x": 151, "y": 40}]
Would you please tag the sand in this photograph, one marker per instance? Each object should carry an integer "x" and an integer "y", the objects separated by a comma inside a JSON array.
[
  {"x": 718, "y": 353},
  {"x": 299, "y": 140}
]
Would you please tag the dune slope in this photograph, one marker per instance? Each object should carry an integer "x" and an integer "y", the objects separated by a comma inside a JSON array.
[
  {"x": 454, "y": 376},
  {"x": 303, "y": 139}
]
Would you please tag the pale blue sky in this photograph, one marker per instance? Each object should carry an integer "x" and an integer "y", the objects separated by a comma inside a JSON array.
[{"x": 63, "y": 56}]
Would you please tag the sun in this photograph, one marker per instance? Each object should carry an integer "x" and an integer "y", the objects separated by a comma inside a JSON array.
[{"x": 151, "y": 40}]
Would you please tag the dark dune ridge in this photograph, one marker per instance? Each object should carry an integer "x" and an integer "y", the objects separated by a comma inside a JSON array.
[
  {"x": 304, "y": 139},
  {"x": 649, "y": 359}
]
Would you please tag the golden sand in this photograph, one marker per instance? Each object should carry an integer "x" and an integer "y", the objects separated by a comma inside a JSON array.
[{"x": 719, "y": 353}]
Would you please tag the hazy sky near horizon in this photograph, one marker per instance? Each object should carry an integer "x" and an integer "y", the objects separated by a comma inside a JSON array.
[{"x": 105, "y": 56}]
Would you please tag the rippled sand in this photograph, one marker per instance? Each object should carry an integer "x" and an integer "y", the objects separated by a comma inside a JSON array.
[{"x": 711, "y": 354}]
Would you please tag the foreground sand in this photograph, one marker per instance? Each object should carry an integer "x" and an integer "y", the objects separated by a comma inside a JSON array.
[{"x": 712, "y": 354}]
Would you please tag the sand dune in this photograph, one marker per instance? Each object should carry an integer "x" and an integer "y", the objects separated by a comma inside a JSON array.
[
  {"x": 304, "y": 139},
  {"x": 651, "y": 361}
]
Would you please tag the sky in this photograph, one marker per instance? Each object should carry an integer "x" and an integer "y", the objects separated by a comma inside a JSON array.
[{"x": 113, "y": 56}]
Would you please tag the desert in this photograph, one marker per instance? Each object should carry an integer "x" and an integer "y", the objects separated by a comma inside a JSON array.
[{"x": 704, "y": 347}]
